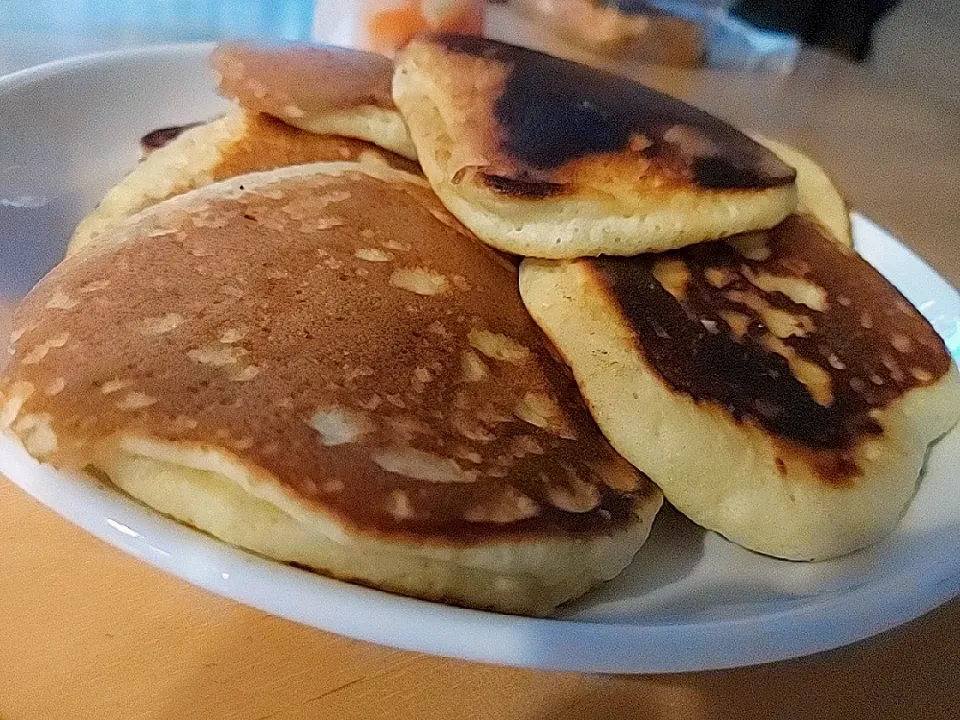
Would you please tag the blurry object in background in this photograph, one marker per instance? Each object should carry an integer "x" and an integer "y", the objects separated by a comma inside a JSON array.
[
  {"x": 390, "y": 28},
  {"x": 915, "y": 48},
  {"x": 843, "y": 26},
  {"x": 608, "y": 33},
  {"x": 731, "y": 42},
  {"x": 649, "y": 35},
  {"x": 385, "y": 25},
  {"x": 753, "y": 35}
]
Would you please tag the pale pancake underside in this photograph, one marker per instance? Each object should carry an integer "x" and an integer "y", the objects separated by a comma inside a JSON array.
[
  {"x": 380, "y": 126},
  {"x": 818, "y": 194}
]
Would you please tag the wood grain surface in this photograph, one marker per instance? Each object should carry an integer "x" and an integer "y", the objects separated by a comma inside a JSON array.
[{"x": 87, "y": 632}]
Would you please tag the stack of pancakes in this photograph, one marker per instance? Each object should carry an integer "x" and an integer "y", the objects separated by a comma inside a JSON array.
[{"x": 302, "y": 328}]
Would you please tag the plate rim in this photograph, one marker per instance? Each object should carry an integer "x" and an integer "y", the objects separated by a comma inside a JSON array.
[
  {"x": 17, "y": 78},
  {"x": 439, "y": 629}
]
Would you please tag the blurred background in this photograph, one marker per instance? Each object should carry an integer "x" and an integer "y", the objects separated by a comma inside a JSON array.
[
  {"x": 907, "y": 42},
  {"x": 867, "y": 87}
]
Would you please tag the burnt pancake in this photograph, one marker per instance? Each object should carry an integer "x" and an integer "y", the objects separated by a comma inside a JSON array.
[
  {"x": 544, "y": 157},
  {"x": 775, "y": 386},
  {"x": 238, "y": 143},
  {"x": 322, "y": 365},
  {"x": 321, "y": 89}
]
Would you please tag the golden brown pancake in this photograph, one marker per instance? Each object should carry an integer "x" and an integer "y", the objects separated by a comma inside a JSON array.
[
  {"x": 239, "y": 143},
  {"x": 325, "y": 90},
  {"x": 775, "y": 386},
  {"x": 320, "y": 364},
  {"x": 544, "y": 157}
]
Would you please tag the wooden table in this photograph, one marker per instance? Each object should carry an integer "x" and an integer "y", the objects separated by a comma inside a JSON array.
[{"x": 86, "y": 632}]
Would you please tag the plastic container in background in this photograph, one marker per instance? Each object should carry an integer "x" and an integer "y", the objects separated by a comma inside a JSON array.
[
  {"x": 732, "y": 43},
  {"x": 683, "y": 33},
  {"x": 612, "y": 33},
  {"x": 679, "y": 33}
]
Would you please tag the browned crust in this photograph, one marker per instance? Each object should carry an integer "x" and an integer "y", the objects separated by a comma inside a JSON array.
[
  {"x": 547, "y": 125},
  {"x": 270, "y": 143},
  {"x": 867, "y": 340},
  {"x": 300, "y": 80},
  {"x": 231, "y": 321}
]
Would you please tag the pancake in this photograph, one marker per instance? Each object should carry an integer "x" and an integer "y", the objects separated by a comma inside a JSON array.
[
  {"x": 324, "y": 90},
  {"x": 818, "y": 196},
  {"x": 547, "y": 158},
  {"x": 776, "y": 387},
  {"x": 321, "y": 365},
  {"x": 236, "y": 144}
]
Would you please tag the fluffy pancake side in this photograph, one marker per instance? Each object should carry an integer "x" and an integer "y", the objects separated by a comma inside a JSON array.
[
  {"x": 324, "y": 90},
  {"x": 544, "y": 157},
  {"x": 322, "y": 365},
  {"x": 235, "y": 144},
  {"x": 818, "y": 195},
  {"x": 776, "y": 387}
]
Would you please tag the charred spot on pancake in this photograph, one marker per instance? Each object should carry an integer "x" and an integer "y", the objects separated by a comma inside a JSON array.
[
  {"x": 519, "y": 188},
  {"x": 552, "y": 112},
  {"x": 716, "y": 174},
  {"x": 161, "y": 137},
  {"x": 779, "y": 340}
]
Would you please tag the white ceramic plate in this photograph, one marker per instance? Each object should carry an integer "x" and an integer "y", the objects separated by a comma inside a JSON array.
[{"x": 690, "y": 601}]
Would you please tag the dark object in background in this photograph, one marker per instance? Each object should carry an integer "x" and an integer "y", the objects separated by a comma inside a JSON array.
[
  {"x": 164, "y": 136},
  {"x": 843, "y": 26}
]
